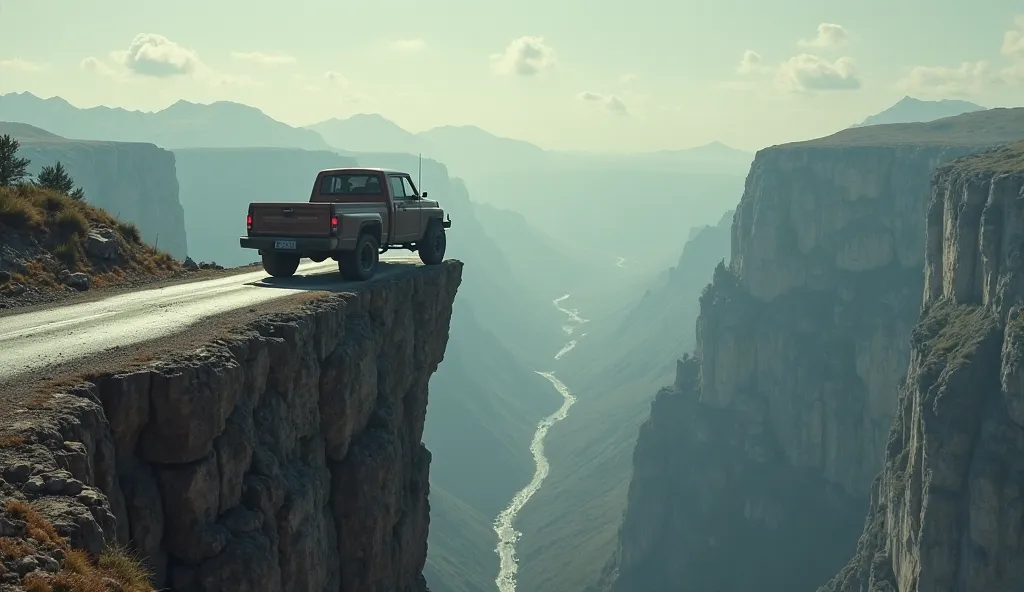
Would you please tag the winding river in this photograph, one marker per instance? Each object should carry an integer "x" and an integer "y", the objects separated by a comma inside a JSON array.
[{"x": 504, "y": 527}]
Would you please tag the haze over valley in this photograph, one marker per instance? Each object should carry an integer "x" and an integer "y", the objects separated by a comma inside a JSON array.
[{"x": 737, "y": 311}]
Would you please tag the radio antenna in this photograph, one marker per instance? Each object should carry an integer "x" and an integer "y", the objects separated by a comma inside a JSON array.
[{"x": 419, "y": 174}]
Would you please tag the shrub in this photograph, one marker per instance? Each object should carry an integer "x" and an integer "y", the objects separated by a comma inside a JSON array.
[
  {"x": 15, "y": 210},
  {"x": 130, "y": 232},
  {"x": 68, "y": 255},
  {"x": 13, "y": 170},
  {"x": 71, "y": 222},
  {"x": 126, "y": 568}
]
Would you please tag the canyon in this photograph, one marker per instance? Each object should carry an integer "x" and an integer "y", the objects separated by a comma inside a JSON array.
[
  {"x": 752, "y": 470},
  {"x": 755, "y": 466},
  {"x": 286, "y": 455}
]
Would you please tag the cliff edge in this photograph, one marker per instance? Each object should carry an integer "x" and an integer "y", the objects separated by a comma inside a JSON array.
[
  {"x": 136, "y": 182},
  {"x": 946, "y": 510},
  {"x": 754, "y": 469},
  {"x": 285, "y": 457}
]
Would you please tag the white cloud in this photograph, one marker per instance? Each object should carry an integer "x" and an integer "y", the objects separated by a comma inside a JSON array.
[
  {"x": 525, "y": 56},
  {"x": 829, "y": 35},
  {"x": 751, "y": 63},
  {"x": 967, "y": 79},
  {"x": 610, "y": 102},
  {"x": 20, "y": 65},
  {"x": 970, "y": 78},
  {"x": 408, "y": 45},
  {"x": 263, "y": 58},
  {"x": 805, "y": 72},
  {"x": 1013, "y": 40},
  {"x": 157, "y": 56}
]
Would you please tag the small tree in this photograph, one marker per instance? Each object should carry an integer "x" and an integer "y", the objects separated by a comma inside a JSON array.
[
  {"x": 56, "y": 177},
  {"x": 13, "y": 170}
]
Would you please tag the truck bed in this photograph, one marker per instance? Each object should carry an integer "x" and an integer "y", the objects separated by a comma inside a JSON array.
[{"x": 290, "y": 219}]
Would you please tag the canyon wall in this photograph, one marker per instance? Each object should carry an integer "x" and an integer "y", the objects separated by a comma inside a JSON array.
[
  {"x": 285, "y": 457},
  {"x": 754, "y": 469},
  {"x": 947, "y": 511},
  {"x": 134, "y": 181}
]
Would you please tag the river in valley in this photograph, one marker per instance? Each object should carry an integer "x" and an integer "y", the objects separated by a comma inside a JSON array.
[{"x": 504, "y": 524}]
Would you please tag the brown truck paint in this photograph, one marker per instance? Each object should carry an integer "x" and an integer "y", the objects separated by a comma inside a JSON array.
[{"x": 353, "y": 215}]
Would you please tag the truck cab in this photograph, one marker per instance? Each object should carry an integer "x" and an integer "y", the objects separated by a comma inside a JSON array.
[{"x": 352, "y": 216}]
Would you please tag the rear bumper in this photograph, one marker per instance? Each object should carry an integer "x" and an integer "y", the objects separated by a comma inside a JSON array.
[{"x": 302, "y": 245}]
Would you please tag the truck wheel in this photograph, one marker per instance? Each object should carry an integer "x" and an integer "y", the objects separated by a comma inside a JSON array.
[
  {"x": 280, "y": 264},
  {"x": 432, "y": 246},
  {"x": 360, "y": 264}
]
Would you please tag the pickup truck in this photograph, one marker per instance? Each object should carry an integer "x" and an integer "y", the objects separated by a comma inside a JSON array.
[{"x": 353, "y": 216}]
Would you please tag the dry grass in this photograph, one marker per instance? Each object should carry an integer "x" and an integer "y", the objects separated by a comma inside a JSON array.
[
  {"x": 61, "y": 226},
  {"x": 11, "y": 440},
  {"x": 14, "y": 548},
  {"x": 36, "y": 525},
  {"x": 79, "y": 572}
]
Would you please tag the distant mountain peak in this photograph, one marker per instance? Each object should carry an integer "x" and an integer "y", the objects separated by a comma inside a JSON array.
[{"x": 913, "y": 110}]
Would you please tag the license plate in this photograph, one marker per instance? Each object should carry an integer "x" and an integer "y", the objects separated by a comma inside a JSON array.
[{"x": 284, "y": 244}]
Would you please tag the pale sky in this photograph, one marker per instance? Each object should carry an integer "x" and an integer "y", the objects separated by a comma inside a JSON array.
[{"x": 564, "y": 74}]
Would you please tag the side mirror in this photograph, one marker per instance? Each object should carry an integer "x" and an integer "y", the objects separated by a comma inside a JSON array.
[{"x": 423, "y": 195}]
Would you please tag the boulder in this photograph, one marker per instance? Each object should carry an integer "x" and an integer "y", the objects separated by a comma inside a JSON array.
[{"x": 101, "y": 243}]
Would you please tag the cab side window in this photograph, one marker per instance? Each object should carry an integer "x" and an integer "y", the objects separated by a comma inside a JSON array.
[
  {"x": 409, "y": 189},
  {"x": 397, "y": 188}
]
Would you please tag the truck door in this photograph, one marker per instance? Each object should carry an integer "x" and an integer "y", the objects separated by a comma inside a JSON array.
[
  {"x": 415, "y": 208},
  {"x": 406, "y": 221}
]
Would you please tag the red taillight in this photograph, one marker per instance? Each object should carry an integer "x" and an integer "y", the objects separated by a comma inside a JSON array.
[
  {"x": 248, "y": 222},
  {"x": 334, "y": 222}
]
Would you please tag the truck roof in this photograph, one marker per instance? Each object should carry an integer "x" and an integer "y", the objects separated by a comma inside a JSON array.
[{"x": 362, "y": 170}]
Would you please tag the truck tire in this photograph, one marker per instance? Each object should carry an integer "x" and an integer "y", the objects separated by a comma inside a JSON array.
[
  {"x": 431, "y": 248},
  {"x": 361, "y": 263},
  {"x": 280, "y": 265}
]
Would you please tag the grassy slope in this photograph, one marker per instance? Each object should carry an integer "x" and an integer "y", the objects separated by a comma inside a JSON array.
[
  {"x": 458, "y": 529},
  {"x": 44, "y": 232},
  {"x": 615, "y": 371}
]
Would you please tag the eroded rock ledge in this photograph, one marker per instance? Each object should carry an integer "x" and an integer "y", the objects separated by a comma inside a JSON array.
[
  {"x": 286, "y": 459},
  {"x": 947, "y": 511}
]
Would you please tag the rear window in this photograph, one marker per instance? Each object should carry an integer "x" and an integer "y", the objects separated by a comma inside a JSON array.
[{"x": 350, "y": 184}]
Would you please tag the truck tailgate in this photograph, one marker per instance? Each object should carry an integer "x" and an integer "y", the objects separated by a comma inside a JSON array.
[{"x": 290, "y": 219}]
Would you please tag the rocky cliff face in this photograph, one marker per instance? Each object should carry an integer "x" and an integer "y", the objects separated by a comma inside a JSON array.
[
  {"x": 288, "y": 458},
  {"x": 135, "y": 182},
  {"x": 946, "y": 511},
  {"x": 754, "y": 468}
]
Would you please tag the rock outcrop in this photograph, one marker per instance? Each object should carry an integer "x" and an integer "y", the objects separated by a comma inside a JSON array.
[
  {"x": 754, "y": 469},
  {"x": 287, "y": 458},
  {"x": 135, "y": 182},
  {"x": 947, "y": 511}
]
